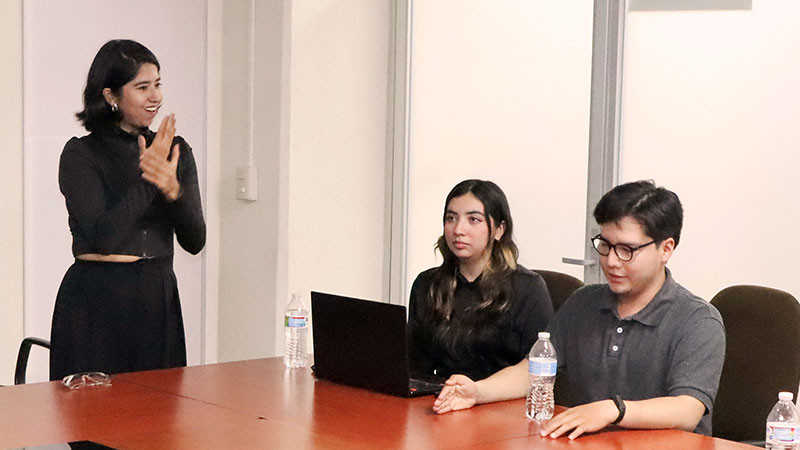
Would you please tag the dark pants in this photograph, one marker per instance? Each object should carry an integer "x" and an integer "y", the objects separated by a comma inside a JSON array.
[{"x": 117, "y": 317}]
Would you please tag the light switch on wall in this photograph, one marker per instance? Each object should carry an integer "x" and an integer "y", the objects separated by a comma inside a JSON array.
[{"x": 247, "y": 183}]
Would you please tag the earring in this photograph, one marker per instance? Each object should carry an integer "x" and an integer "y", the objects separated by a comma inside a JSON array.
[{"x": 114, "y": 107}]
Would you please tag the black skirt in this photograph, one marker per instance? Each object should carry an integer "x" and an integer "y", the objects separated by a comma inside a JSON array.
[{"x": 117, "y": 317}]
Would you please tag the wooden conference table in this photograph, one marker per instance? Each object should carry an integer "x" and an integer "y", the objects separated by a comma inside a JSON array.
[{"x": 260, "y": 404}]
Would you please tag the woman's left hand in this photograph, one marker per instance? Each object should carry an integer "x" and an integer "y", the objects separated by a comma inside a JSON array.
[{"x": 155, "y": 161}]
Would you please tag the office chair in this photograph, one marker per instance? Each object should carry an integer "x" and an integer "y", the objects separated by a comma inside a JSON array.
[
  {"x": 22, "y": 357},
  {"x": 560, "y": 286},
  {"x": 762, "y": 358}
]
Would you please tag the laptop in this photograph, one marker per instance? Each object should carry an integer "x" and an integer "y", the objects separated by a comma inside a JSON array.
[{"x": 363, "y": 343}]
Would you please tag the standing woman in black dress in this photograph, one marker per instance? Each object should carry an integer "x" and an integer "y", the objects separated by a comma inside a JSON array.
[
  {"x": 128, "y": 191},
  {"x": 480, "y": 311}
]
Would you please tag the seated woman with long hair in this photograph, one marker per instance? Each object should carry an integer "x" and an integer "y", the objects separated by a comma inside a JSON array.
[{"x": 480, "y": 311}]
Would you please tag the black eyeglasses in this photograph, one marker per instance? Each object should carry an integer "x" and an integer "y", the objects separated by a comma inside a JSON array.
[{"x": 624, "y": 251}]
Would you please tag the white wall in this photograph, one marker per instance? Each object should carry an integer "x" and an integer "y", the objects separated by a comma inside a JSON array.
[
  {"x": 11, "y": 261},
  {"x": 337, "y": 140},
  {"x": 248, "y": 240},
  {"x": 500, "y": 91},
  {"x": 55, "y": 71},
  {"x": 321, "y": 69},
  {"x": 711, "y": 112}
]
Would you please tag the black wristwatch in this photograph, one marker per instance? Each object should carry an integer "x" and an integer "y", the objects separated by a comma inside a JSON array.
[{"x": 620, "y": 406}]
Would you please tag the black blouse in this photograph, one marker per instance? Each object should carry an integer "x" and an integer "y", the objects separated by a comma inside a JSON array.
[
  {"x": 482, "y": 348},
  {"x": 113, "y": 210}
]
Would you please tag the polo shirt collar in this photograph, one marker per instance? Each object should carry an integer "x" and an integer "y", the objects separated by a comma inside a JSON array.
[{"x": 651, "y": 314}]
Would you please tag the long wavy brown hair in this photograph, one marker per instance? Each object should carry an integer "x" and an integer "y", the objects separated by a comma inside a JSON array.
[{"x": 495, "y": 280}]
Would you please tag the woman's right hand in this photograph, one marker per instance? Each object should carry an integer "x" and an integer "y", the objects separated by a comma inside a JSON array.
[{"x": 459, "y": 392}]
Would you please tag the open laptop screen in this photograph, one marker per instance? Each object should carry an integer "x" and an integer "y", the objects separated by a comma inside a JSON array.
[{"x": 360, "y": 343}]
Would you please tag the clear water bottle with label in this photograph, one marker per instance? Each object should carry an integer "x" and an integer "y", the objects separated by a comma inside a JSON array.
[
  {"x": 542, "y": 364},
  {"x": 296, "y": 333},
  {"x": 783, "y": 424}
]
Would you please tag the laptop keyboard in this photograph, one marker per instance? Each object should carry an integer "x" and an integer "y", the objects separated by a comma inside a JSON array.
[{"x": 422, "y": 387}]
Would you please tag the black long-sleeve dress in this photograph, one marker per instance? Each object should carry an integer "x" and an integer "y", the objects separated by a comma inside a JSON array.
[{"x": 120, "y": 317}]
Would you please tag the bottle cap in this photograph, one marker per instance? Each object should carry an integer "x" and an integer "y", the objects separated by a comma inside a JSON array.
[
  {"x": 785, "y": 396},
  {"x": 546, "y": 335}
]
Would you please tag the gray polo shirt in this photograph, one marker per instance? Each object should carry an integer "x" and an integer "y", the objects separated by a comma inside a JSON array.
[{"x": 674, "y": 346}]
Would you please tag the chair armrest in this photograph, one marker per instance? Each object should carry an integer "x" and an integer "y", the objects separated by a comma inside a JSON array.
[{"x": 22, "y": 356}]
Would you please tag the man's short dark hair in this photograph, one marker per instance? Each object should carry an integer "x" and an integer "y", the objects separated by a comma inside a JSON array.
[{"x": 656, "y": 209}]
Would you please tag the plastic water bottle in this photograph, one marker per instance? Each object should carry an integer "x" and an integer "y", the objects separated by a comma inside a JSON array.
[
  {"x": 296, "y": 333},
  {"x": 542, "y": 364},
  {"x": 783, "y": 424}
]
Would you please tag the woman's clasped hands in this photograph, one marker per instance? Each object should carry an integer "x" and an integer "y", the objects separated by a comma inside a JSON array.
[{"x": 158, "y": 167}]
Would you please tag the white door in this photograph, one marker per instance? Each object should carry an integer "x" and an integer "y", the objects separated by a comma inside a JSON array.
[
  {"x": 500, "y": 91},
  {"x": 710, "y": 110}
]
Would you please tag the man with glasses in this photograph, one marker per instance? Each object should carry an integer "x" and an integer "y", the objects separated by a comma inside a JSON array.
[{"x": 640, "y": 351}]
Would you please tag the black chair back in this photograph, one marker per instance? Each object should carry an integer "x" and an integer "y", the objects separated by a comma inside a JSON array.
[
  {"x": 560, "y": 286},
  {"x": 762, "y": 358}
]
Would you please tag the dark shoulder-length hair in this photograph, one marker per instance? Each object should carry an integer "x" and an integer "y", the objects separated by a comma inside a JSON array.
[
  {"x": 116, "y": 63},
  {"x": 495, "y": 281}
]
